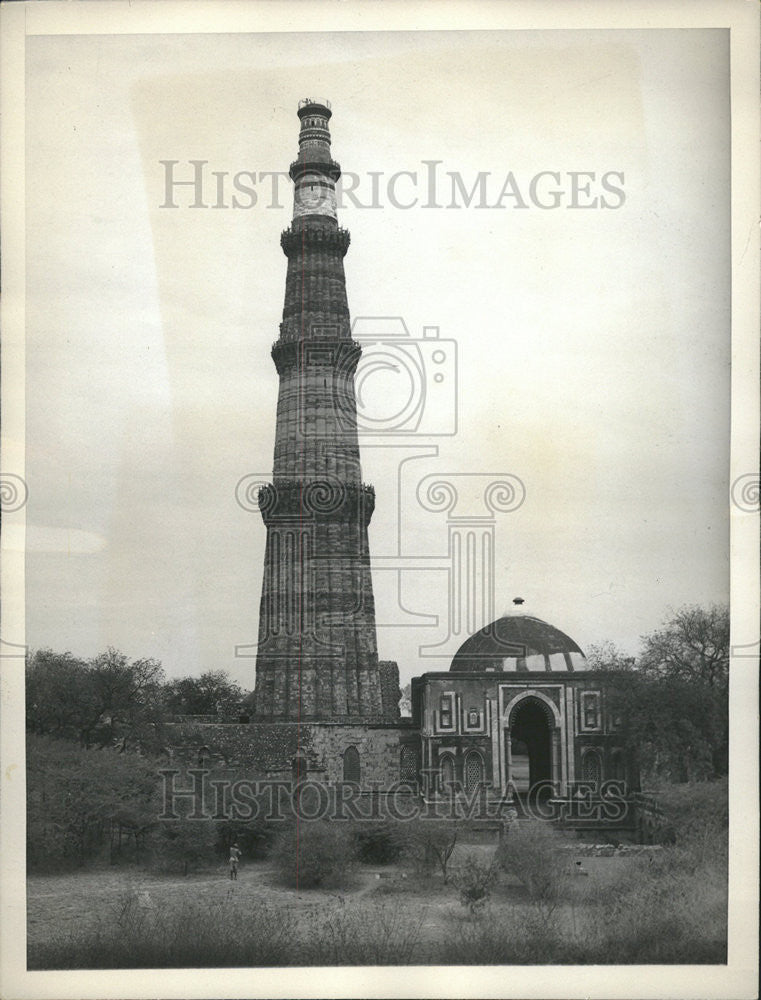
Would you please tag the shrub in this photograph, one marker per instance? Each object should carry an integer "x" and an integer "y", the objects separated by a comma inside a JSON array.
[
  {"x": 377, "y": 843},
  {"x": 474, "y": 880},
  {"x": 185, "y": 845},
  {"x": 315, "y": 853},
  {"x": 530, "y": 852},
  {"x": 429, "y": 844}
]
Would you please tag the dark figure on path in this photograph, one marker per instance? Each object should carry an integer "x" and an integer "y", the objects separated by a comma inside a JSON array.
[{"x": 234, "y": 857}]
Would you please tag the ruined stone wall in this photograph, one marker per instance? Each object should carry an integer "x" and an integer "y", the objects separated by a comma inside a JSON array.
[
  {"x": 390, "y": 690},
  {"x": 267, "y": 750}
]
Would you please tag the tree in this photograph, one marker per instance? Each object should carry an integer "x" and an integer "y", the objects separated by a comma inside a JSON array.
[
  {"x": 79, "y": 800},
  {"x": 691, "y": 651},
  {"x": 127, "y": 697},
  {"x": 607, "y": 656},
  {"x": 95, "y": 702},
  {"x": 673, "y": 699},
  {"x": 208, "y": 694},
  {"x": 692, "y": 646},
  {"x": 58, "y": 693},
  {"x": 405, "y": 702},
  {"x": 673, "y": 729}
]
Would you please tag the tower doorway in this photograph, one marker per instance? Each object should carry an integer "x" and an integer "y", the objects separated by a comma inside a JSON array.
[{"x": 530, "y": 752}]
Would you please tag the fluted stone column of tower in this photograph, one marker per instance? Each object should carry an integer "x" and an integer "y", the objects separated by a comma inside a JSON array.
[{"x": 317, "y": 657}]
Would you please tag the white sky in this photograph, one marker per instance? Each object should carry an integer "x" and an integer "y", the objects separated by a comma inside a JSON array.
[{"x": 593, "y": 346}]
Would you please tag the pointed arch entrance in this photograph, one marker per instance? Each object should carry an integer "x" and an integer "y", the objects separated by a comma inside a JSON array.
[{"x": 532, "y": 743}]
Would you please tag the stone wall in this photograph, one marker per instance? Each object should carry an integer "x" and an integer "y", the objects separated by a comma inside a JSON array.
[
  {"x": 390, "y": 691},
  {"x": 267, "y": 750}
]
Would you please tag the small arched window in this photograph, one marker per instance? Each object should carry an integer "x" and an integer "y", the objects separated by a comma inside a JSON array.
[
  {"x": 351, "y": 764},
  {"x": 591, "y": 767},
  {"x": 474, "y": 770},
  {"x": 203, "y": 756},
  {"x": 447, "y": 771},
  {"x": 408, "y": 764}
]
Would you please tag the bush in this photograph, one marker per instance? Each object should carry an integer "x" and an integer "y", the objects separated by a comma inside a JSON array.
[
  {"x": 377, "y": 843},
  {"x": 79, "y": 800},
  {"x": 185, "y": 845},
  {"x": 474, "y": 879},
  {"x": 428, "y": 844},
  {"x": 530, "y": 852},
  {"x": 315, "y": 853}
]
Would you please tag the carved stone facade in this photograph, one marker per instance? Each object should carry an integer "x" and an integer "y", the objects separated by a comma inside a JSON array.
[
  {"x": 317, "y": 655},
  {"x": 518, "y": 707},
  {"x": 511, "y": 733}
]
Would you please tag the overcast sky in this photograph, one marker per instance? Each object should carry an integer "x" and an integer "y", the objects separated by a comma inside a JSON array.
[{"x": 592, "y": 344}]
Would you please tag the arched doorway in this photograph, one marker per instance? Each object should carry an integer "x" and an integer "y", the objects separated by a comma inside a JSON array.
[{"x": 530, "y": 751}]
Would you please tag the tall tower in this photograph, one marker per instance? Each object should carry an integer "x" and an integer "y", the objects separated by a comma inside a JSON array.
[{"x": 317, "y": 656}]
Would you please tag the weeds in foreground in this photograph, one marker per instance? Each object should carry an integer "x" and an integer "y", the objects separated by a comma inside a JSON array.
[
  {"x": 666, "y": 907},
  {"x": 138, "y": 935},
  {"x": 364, "y": 933}
]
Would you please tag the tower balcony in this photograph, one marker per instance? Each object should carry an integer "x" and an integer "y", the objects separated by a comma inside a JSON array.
[
  {"x": 329, "y": 168},
  {"x": 342, "y": 356},
  {"x": 318, "y": 236},
  {"x": 319, "y": 499}
]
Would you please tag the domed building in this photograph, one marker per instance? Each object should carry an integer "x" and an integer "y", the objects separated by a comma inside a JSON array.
[{"x": 518, "y": 709}]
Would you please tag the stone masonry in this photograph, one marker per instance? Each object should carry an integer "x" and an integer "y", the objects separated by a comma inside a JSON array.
[{"x": 317, "y": 656}]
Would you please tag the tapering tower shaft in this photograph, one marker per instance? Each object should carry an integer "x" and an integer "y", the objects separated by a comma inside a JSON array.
[{"x": 317, "y": 655}]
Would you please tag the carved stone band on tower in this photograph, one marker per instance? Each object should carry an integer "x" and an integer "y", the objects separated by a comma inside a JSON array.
[{"x": 317, "y": 656}]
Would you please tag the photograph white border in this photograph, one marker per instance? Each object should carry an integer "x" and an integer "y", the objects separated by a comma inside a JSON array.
[{"x": 738, "y": 979}]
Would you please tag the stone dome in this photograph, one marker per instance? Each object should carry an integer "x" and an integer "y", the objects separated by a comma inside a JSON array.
[{"x": 518, "y": 643}]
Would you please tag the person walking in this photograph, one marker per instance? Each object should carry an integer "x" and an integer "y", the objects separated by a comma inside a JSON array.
[{"x": 234, "y": 858}]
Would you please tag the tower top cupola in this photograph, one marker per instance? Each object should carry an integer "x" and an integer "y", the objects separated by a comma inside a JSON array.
[
  {"x": 314, "y": 172},
  {"x": 315, "y": 132}
]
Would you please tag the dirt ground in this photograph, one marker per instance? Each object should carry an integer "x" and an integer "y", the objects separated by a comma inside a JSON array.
[{"x": 57, "y": 904}]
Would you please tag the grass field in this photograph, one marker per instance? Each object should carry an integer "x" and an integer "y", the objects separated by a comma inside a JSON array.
[{"x": 638, "y": 909}]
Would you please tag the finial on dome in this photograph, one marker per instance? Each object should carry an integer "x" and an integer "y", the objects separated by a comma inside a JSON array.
[{"x": 518, "y": 600}]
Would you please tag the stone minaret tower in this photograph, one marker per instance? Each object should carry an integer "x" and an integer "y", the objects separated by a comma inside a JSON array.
[{"x": 317, "y": 657}]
